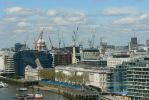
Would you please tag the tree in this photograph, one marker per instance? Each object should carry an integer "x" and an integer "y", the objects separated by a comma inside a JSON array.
[{"x": 47, "y": 74}]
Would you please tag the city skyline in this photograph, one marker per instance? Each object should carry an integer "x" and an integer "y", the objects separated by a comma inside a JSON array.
[{"x": 115, "y": 20}]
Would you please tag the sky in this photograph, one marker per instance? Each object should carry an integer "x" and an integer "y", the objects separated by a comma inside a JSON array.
[{"x": 115, "y": 21}]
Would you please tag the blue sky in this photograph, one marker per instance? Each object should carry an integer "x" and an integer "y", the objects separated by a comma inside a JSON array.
[{"x": 114, "y": 20}]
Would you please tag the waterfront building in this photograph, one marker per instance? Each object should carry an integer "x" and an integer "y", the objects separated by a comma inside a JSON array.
[
  {"x": 28, "y": 57},
  {"x": 32, "y": 74},
  {"x": 130, "y": 78},
  {"x": 96, "y": 76},
  {"x": 7, "y": 62},
  {"x": 138, "y": 79}
]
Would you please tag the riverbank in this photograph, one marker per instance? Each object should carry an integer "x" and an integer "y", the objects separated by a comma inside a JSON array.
[
  {"x": 72, "y": 92},
  {"x": 12, "y": 81},
  {"x": 18, "y": 82},
  {"x": 10, "y": 92},
  {"x": 60, "y": 88}
]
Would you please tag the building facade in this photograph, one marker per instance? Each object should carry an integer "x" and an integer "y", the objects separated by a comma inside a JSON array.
[
  {"x": 29, "y": 57},
  {"x": 7, "y": 62},
  {"x": 96, "y": 76},
  {"x": 61, "y": 58},
  {"x": 117, "y": 79},
  {"x": 138, "y": 79},
  {"x": 113, "y": 62},
  {"x": 130, "y": 78}
]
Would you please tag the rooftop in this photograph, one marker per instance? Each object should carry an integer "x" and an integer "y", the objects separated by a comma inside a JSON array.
[{"x": 82, "y": 67}]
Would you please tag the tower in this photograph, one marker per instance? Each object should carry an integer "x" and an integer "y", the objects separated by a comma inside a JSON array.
[{"x": 74, "y": 60}]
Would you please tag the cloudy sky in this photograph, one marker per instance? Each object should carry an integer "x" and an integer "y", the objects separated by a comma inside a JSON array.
[{"x": 114, "y": 20}]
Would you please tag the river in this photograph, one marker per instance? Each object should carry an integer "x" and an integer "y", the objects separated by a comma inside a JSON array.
[{"x": 9, "y": 93}]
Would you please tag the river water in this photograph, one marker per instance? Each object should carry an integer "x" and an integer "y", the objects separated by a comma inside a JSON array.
[{"x": 9, "y": 93}]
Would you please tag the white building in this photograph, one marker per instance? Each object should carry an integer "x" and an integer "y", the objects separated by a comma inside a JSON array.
[
  {"x": 112, "y": 62},
  {"x": 7, "y": 62},
  {"x": 32, "y": 74},
  {"x": 97, "y": 76}
]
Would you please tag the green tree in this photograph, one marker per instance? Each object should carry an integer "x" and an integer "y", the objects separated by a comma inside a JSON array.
[{"x": 47, "y": 74}]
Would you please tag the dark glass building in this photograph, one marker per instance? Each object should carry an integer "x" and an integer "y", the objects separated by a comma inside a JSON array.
[
  {"x": 19, "y": 46},
  {"x": 28, "y": 57}
]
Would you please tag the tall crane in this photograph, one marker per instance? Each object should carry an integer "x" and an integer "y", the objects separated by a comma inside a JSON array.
[
  {"x": 59, "y": 41},
  {"x": 91, "y": 41},
  {"x": 63, "y": 41},
  {"x": 51, "y": 45},
  {"x": 39, "y": 43},
  {"x": 74, "y": 36}
]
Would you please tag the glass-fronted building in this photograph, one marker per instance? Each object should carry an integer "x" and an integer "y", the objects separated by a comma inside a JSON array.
[
  {"x": 28, "y": 57},
  {"x": 117, "y": 79}
]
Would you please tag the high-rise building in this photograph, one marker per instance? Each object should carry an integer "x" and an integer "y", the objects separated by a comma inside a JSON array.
[
  {"x": 6, "y": 62},
  {"x": 29, "y": 57},
  {"x": 19, "y": 46},
  {"x": 134, "y": 40},
  {"x": 138, "y": 79},
  {"x": 147, "y": 43},
  {"x": 133, "y": 45},
  {"x": 131, "y": 79}
]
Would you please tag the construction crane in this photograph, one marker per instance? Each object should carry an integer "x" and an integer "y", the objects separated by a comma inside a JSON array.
[
  {"x": 39, "y": 43},
  {"x": 63, "y": 41},
  {"x": 91, "y": 41},
  {"x": 59, "y": 41},
  {"x": 51, "y": 45},
  {"x": 74, "y": 36},
  {"x": 36, "y": 44}
]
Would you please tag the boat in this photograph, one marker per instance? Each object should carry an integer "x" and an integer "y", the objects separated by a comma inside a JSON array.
[
  {"x": 2, "y": 84},
  {"x": 38, "y": 96},
  {"x": 24, "y": 93},
  {"x": 22, "y": 89}
]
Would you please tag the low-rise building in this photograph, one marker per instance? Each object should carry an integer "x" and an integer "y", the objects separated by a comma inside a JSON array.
[{"x": 96, "y": 76}]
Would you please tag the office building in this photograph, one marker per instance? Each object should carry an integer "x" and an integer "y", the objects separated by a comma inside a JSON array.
[{"x": 29, "y": 57}]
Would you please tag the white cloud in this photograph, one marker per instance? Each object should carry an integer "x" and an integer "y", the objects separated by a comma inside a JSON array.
[
  {"x": 16, "y": 11},
  {"x": 119, "y": 11},
  {"x": 20, "y": 31},
  {"x": 10, "y": 19},
  {"x": 68, "y": 18},
  {"x": 131, "y": 20},
  {"x": 52, "y": 12},
  {"x": 128, "y": 20},
  {"x": 67, "y": 21},
  {"x": 75, "y": 17},
  {"x": 22, "y": 24}
]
